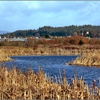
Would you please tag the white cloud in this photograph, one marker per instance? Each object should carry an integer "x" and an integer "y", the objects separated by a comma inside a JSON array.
[{"x": 16, "y": 15}]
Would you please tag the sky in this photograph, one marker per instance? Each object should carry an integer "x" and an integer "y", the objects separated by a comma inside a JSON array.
[{"x": 24, "y": 15}]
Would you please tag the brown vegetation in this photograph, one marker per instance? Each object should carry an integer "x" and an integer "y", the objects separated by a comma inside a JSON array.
[
  {"x": 74, "y": 45},
  {"x": 90, "y": 59},
  {"x": 73, "y": 40},
  {"x": 15, "y": 84}
]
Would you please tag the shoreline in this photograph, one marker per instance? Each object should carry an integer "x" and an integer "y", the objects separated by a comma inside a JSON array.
[
  {"x": 89, "y": 60},
  {"x": 30, "y": 85},
  {"x": 85, "y": 57}
]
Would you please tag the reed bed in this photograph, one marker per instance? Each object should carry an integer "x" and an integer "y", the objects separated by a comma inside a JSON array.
[{"x": 28, "y": 85}]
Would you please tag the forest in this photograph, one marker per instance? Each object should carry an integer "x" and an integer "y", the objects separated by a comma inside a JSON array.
[{"x": 85, "y": 30}]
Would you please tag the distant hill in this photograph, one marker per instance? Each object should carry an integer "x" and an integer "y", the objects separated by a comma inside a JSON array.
[
  {"x": 1, "y": 32},
  {"x": 85, "y": 30}
]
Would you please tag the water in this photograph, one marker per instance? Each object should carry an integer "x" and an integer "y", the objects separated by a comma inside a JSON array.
[{"x": 52, "y": 65}]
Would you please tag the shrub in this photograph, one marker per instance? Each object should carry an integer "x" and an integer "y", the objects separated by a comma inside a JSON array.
[{"x": 80, "y": 42}]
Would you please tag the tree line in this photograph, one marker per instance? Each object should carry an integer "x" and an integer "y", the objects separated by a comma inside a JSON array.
[{"x": 85, "y": 30}]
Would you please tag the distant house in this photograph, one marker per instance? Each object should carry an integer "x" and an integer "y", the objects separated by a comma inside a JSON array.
[
  {"x": 69, "y": 36},
  {"x": 37, "y": 35},
  {"x": 13, "y": 39},
  {"x": 17, "y": 39}
]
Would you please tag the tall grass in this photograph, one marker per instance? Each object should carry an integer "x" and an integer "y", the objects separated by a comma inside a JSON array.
[{"x": 15, "y": 84}]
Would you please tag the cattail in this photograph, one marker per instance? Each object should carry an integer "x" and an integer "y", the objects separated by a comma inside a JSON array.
[
  {"x": 98, "y": 93},
  {"x": 93, "y": 84},
  {"x": 64, "y": 73},
  {"x": 58, "y": 97},
  {"x": 82, "y": 96},
  {"x": 59, "y": 81},
  {"x": 30, "y": 94},
  {"x": 87, "y": 90},
  {"x": 99, "y": 81},
  {"x": 56, "y": 79},
  {"x": 29, "y": 85},
  {"x": 2, "y": 96},
  {"x": 24, "y": 95},
  {"x": 6, "y": 75},
  {"x": 60, "y": 77},
  {"x": 75, "y": 76},
  {"x": 72, "y": 83}
]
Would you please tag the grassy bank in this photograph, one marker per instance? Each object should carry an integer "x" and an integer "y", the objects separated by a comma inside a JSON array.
[{"x": 7, "y": 51}]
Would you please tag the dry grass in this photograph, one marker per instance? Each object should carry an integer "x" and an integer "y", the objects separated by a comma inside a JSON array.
[{"x": 15, "y": 84}]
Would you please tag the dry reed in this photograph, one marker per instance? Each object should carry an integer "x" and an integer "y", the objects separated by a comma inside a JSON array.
[{"x": 15, "y": 84}]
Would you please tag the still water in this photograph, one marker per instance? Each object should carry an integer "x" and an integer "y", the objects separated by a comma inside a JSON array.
[{"x": 52, "y": 65}]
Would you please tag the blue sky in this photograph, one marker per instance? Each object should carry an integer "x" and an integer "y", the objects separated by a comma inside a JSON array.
[{"x": 21, "y": 15}]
